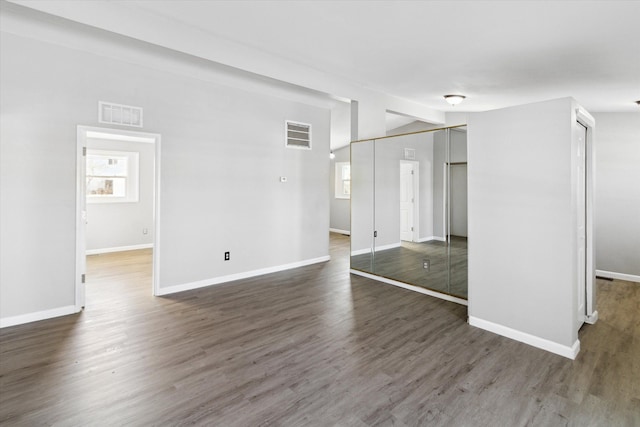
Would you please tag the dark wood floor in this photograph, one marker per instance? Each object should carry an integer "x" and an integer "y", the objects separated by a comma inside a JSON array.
[{"x": 313, "y": 346}]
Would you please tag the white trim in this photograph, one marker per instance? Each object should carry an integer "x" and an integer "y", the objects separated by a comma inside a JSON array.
[
  {"x": 390, "y": 246},
  {"x": 122, "y": 137},
  {"x": 81, "y": 216},
  {"x": 415, "y": 233},
  {"x": 618, "y": 276},
  {"x": 337, "y": 230},
  {"x": 338, "y": 193},
  {"x": 431, "y": 238},
  {"x": 414, "y": 288},
  {"x": 119, "y": 249},
  {"x": 6, "y": 322},
  {"x": 377, "y": 248},
  {"x": 361, "y": 251},
  {"x": 238, "y": 276},
  {"x": 532, "y": 340},
  {"x": 155, "y": 274},
  {"x": 585, "y": 118}
]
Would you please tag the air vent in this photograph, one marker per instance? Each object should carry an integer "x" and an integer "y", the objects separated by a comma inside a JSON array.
[
  {"x": 409, "y": 153},
  {"x": 298, "y": 135},
  {"x": 118, "y": 114}
]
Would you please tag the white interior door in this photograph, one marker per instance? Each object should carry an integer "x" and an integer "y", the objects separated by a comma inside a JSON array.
[
  {"x": 581, "y": 280},
  {"x": 408, "y": 182}
]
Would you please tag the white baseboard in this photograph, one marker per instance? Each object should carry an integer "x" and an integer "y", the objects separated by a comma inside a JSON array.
[
  {"x": 410, "y": 287},
  {"x": 119, "y": 249},
  {"x": 5, "y": 322},
  {"x": 361, "y": 251},
  {"x": 238, "y": 276},
  {"x": 378, "y": 249},
  {"x": 619, "y": 276},
  {"x": 337, "y": 230},
  {"x": 532, "y": 340},
  {"x": 430, "y": 238}
]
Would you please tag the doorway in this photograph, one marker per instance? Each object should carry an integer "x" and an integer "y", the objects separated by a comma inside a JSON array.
[
  {"x": 409, "y": 191},
  {"x": 117, "y": 192}
]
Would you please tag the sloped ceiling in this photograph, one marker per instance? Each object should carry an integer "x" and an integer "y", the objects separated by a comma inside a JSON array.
[{"x": 497, "y": 53}]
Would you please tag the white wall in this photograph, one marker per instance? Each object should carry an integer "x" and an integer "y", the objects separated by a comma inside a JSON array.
[
  {"x": 118, "y": 225},
  {"x": 414, "y": 126},
  {"x": 362, "y": 195},
  {"x": 340, "y": 215},
  {"x": 222, "y": 155},
  {"x": 340, "y": 125},
  {"x": 618, "y": 194},
  {"x": 388, "y": 153},
  {"x": 522, "y": 246},
  {"x": 454, "y": 118}
]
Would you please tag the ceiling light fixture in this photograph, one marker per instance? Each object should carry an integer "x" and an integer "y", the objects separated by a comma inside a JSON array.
[{"x": 454, "y": 99}]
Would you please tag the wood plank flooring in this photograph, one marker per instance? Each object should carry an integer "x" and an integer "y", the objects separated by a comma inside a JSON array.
[
  {"x": 447, "y": 272},
  {"x": 313, "y": 346}
]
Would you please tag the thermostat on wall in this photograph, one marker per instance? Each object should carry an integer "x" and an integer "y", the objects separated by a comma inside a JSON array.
[{"x": 283, "y": 179}]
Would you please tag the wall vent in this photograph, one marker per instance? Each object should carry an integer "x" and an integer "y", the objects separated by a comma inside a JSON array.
[
  {"x": 298, "y": 135},
  {"x": 409, "y": 153},
  {"x": 118, "y": 114}
]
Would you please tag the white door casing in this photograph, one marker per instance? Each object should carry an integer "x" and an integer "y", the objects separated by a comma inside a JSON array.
[
  {"x": 581, "y": 212},
  {"x": 408, "y": 200},
  {"x": 83, "y": 133}
]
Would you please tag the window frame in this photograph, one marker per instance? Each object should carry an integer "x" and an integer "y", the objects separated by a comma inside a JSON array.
[
  {"x": 132, "y": 178},
  {"x": 339, "y": 181}
]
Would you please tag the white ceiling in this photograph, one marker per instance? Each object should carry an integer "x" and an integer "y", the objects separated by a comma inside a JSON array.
[{"x": 497, "y": 53}]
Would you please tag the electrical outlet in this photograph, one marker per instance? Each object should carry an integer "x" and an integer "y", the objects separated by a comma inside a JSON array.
[
  {"x": 426, "y": 264},
  {"x": 227, "y": 256}
]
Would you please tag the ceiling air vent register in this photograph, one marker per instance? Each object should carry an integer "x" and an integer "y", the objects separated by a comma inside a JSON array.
[
  {"x": 298, "y": 135},
  {"x": 118, "y": 114}
]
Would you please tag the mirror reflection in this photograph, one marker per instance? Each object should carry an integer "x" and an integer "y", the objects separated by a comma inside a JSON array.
[{"x": 409, "y": 209}]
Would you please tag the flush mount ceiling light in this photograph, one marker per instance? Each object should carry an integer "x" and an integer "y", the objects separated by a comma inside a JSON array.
[{"x": 454, "y": 99}]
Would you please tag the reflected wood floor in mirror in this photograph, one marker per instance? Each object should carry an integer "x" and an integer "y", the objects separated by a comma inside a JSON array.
[
  {"x": 447, "y": 271},
  {"x": 311, "y": 346}
]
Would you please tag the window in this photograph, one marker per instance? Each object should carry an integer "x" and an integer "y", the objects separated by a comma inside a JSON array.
[
  {"x": 343, "y": 180},
  {"x": 298, "y": 135},
  {"x": 112, "y": 176}
]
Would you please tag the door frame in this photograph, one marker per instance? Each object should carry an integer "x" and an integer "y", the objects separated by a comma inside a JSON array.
[
  {"x": 586, "y": 120},
  {"x": 415, "y": 235},
  {"x": 83, "y": 133}
]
